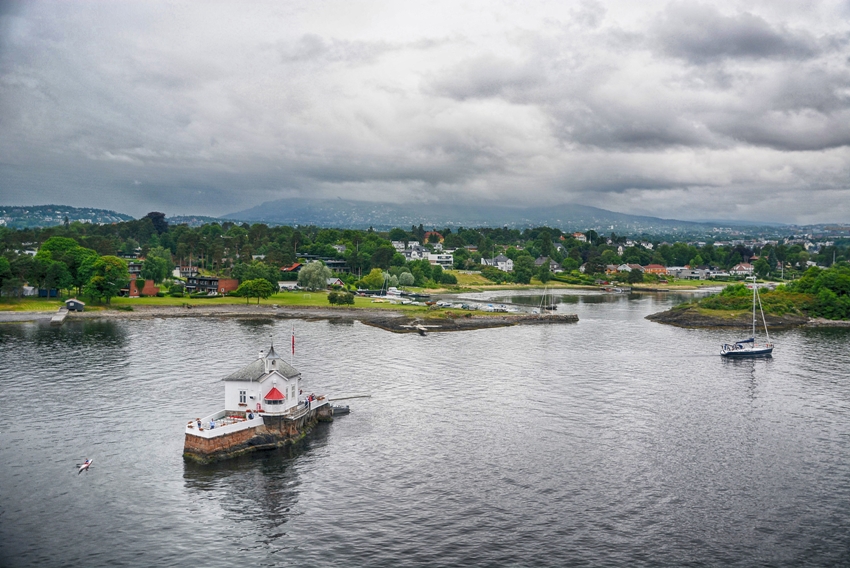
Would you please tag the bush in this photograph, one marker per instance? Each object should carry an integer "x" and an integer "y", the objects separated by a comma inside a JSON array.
[
  {"x": 495, "y": 275},
  {"x": 448, "y": 278},
  {"x": 341, "y": 298}
]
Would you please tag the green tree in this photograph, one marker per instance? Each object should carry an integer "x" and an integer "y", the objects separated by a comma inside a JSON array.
[
  {"x": 382, "y": 256},
  {"x": 406, "y": 279},
  {"x": 109, "y": 276},
  {"x": 635, "y": 276},
  {"x": 5, "y": 270},
  {"x": 257, "y": 288},
  {"x": 523, "y": 269},
  {"x": 314, "y": 276},
  {"x": 256, "y": 269},
  {"x": 543, "y": 273},
  {"x": 155, "y": 268},
  {"x": 58, "y": 276},
  {"x": 761, "y": 267},
  {"x": 448, "y": 278},
  {"x": 341, "y": 298},
  {"x": 397, "y": 234},
  {"x": 437, "y": 273},
  {"x": 374, "y": 280}
]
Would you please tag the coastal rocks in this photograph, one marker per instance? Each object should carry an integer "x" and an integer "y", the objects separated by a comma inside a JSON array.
[
  {"x": 692, "y": 317},
  {"x": 409, "y": 325}
]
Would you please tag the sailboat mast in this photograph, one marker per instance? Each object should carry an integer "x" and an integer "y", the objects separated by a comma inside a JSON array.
[{"x": 754, "y": 309}]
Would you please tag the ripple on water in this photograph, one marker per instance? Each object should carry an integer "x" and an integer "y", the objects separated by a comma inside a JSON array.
[{"x": 614, "y": 441}]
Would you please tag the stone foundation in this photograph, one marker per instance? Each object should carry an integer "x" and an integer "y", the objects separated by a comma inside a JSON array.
[{"x": 276, "y": 432}]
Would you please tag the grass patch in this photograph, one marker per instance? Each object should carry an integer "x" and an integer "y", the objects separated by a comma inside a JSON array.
[
  {"x": 31, "y": 304},
  {"x": 473, "y": 279}
]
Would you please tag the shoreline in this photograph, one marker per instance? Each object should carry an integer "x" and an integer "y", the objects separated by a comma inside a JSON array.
[
  {"x": 692, "y": 319},
  {"x": 386, "y": 319}
]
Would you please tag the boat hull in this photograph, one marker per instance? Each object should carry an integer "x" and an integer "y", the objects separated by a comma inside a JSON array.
[{"x": 746, "y": 353}]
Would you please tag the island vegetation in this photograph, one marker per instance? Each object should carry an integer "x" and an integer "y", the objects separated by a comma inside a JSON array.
[{"x": 818, "y": 293}]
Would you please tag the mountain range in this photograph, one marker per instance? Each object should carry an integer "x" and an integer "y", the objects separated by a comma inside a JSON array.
[{"x": 381, "y": 216}]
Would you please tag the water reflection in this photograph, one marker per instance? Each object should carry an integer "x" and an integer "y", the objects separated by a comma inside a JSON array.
[
  {"x": 261, "y": 487},
  {"x": 255, "y": 323},
  {"x": 95, "y": 333}
]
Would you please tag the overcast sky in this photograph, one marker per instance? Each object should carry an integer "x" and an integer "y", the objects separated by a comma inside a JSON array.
[{"x": 735, "y": 110}]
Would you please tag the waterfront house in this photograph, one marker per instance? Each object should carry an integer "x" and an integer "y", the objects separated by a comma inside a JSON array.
[
  {"x": 74, "y": 305},
  {"x": 211, "y": 284},
  {"x": 262, "y": 411},
  {"x": 269, "y": 385},
  {"x": 139, "y": 287},
  {"x": 655, "y": 269}
]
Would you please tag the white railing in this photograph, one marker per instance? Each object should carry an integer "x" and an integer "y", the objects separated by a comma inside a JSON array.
[{"x": 223, "y": 424}]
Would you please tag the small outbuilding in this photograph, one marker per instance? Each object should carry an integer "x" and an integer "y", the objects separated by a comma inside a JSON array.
[{"x": 74, "y": 305}]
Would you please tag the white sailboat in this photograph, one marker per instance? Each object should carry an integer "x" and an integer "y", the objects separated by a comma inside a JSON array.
[{"x": 749, "y": 347}]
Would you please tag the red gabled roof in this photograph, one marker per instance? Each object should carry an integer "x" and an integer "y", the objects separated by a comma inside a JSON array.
[
  {"x": 290, "y": 268},
  {"x": 274, "y": 394}
]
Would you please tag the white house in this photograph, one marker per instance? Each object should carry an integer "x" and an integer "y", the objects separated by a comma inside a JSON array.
[
  {"x": 742, "y": 269},
  {"x": 443, "y": 259},
  {"x": 269, "y": 385},
  {"x": 501, "y": 262}
]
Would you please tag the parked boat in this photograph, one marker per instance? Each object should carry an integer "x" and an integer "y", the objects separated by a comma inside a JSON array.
[
  {"x": 339, "y": 409},
  {"x": 749, "y": 347}
]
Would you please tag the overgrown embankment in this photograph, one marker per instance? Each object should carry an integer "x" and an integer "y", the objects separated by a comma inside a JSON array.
[{"x": 820, "y": 297}]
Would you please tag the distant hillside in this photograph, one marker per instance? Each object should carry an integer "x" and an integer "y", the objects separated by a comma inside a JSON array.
[
  {"x": 50, "y": 215},
  {"x": 197, "y": 220},
  {"x": 361, "y": 214}
]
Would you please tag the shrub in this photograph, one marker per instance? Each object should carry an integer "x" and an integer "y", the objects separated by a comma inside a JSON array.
[{"x": 340, "y": 298}]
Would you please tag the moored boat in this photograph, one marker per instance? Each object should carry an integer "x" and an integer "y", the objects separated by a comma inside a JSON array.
[{"x": 749, "y": 347}]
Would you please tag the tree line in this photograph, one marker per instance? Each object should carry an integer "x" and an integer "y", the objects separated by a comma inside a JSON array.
[{"x": 70, "y": 256}]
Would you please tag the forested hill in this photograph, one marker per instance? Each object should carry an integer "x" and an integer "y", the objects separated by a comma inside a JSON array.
[
  {"x": 27, "y": 217},
  {"x": 382, "y": 216}
]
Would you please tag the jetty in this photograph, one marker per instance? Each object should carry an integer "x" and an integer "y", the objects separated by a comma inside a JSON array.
[
  {"x": 59, "y": 317},
  {"x": 264, "y": 408}
]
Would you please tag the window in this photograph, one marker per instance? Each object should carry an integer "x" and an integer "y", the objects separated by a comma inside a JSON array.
[{"x": 243, "y": 397}]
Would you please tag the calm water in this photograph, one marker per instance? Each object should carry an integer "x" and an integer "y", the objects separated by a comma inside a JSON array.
[{"x": 612, "y": 442}]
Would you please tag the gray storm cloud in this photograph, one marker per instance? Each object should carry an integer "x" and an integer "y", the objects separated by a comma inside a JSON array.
[{"x": 723, "y": 110}]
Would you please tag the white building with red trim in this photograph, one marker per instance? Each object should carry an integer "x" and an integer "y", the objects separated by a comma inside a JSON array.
[
  {"x": 261, "y": 411},
  {"x": 268, "y": 385}
]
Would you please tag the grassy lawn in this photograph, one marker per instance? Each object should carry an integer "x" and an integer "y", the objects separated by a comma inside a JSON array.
[
  {"x": 319, "y": 299},
  {"x": 31, "y": 304},
  {"x": 723, "y": 314}
]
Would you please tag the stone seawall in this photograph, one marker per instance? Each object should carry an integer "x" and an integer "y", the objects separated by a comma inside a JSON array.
[{"x": 276, "y": 432}]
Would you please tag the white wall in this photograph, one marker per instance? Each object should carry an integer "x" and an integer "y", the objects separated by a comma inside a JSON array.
[{"x": 231, "y": 395}]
